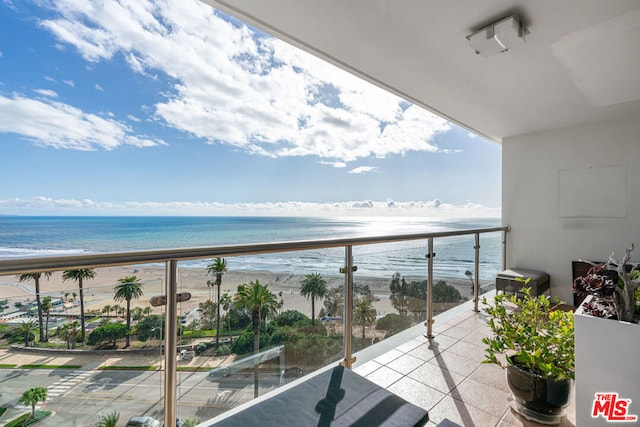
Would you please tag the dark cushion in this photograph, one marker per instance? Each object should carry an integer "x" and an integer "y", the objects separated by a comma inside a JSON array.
[{"x": 337, "y": 397}]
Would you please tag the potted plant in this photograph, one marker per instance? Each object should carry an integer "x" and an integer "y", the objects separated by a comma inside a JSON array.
[
  {"x": 607, "y": 336},
  {"x": 533, "y": 339},
  {"x": 614, "y": 288}
]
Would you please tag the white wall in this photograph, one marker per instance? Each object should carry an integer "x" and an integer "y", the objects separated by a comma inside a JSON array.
[{"x": 546, "y": 237}]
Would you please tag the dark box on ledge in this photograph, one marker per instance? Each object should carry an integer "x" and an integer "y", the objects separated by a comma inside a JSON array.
[{"x": 513, "y": 280}]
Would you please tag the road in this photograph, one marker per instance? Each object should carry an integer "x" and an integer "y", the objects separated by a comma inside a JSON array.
[{"x": 79, "y": 397}]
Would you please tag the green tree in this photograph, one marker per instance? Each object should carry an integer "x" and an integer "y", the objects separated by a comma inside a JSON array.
[
  {"x": 191, "y": 422},
  {"x": 256, "y": 298},
  {"x": 138, "y": 314},
  {"x": 207, "y": 314},
  {"x": 469, "y": 274},
  {"x": 80, "y": 275},
  {"x": 150, "y": 327},
  {"x": 26, "y": 328},
  {"x": 110, "y": 420},
  {"x": 227, "y": 304},
  {"x": 108, "y": 332},
  {"x": 217, "y": 268},
  {"x": 442, "y": 292},
  {"x": 333, "y": 302},
  {"x": 291, "y": 318},
  {"x": 46, "y": 310},
  {"x": 399, "y": 297},
  {"x": 69, "y": 332},
  {"x": 393, "y": 323},
  {"x": 408, "y": 297},
  {"x": 364, "y": 314},
  {"x": 313, "y": 287},
  {"x": 36, "y": 278},
  {"x": 129, "y": 288},
  {"x": 364, "y": 293},
  {"x": 32, "y": 397}
]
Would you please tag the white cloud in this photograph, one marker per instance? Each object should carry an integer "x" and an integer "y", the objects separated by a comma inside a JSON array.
[
  {"x": 235, "y": 87},
  {"x": 69, "y": 83},
  {"x": 433, "y": 208},
  {"x": 334, "y": 164},
  {"x": 363, "y": 169},
  {"x": 46, "y": 92},
  {"x": 60, "y": 125},
  {"x": 98, "y": 88}
]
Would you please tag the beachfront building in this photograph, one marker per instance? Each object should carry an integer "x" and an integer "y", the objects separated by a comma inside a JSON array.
[{"x": 558, "y": 89}]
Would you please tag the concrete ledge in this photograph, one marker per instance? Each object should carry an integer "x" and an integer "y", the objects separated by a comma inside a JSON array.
[{"x": 82, "y": 352}]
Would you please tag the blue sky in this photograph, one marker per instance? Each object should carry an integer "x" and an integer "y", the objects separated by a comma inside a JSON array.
[{"x": 173, "y": 108}]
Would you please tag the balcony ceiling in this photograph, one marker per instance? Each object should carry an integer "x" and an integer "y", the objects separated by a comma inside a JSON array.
[{"x": 580, "y": 62}]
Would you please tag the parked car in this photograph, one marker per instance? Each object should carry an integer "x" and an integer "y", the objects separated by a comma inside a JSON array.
[
  {"x": 219, "y": 372},
  {"x": 142, "y": 422}
]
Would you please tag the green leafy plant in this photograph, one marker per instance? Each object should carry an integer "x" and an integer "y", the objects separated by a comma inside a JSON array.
[
  {"x": 532, "y": 333},
  {"x": 110, "y": 420}
]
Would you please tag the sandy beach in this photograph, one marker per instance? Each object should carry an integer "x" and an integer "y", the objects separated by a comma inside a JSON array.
[{"x": 98, "y": 292}]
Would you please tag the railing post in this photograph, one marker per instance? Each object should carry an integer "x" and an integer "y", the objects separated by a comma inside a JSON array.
[
  {"x": 170, "y": 344},
  {"x": 348, "y": 305},
  {"x": 476, "y": 284},
  {"x": 504, "y": 248},
  {"x": 430, "y": 256}
]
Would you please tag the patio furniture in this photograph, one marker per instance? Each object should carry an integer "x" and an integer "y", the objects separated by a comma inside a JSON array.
[
  {"x": 513, "y": 280},
  {"x": 336, "y": 397}
]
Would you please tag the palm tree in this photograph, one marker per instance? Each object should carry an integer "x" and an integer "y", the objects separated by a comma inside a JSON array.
[
  {"x": 46, "y": 309},
  {"x": 217, "y": 268},
  {"x": 79, "y": 275},
  {"x": 129, "y": 287},
  {"x": 33, "y": 396},
  {"x": 137, "y": 314},
  {"x": 257, "y": 299},
  {"x": 469, "y": 274},
  {"x": 110, "y": 420},
  {"x": 364, "y": 314},
  {"x": 313, "y": 287},
  {"x": 227, "y": 304},
  {"x": 26, "y": 328},
  {"x": 107, "y": 309},
  {"x": 116, "y": 309},
  {"x": 69, "y": 331},
  {"x": 36, "y": 278}
]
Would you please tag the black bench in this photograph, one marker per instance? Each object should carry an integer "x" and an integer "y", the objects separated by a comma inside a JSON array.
[{"x": 333, "y": 398}]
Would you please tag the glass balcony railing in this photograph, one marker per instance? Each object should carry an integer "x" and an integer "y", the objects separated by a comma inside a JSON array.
[{"x": 305, "y": 305}]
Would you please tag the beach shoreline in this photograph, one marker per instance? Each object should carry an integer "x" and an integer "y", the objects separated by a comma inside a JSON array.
[{"x": 98, "y": 292}]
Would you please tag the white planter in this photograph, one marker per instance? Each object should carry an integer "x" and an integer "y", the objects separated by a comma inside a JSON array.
[{"x": 607, "y": 361}]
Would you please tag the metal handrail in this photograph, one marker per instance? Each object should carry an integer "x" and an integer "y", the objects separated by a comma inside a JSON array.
[
  {"x": 14, "y": 266},
  {"x": 171, "y": 257}
]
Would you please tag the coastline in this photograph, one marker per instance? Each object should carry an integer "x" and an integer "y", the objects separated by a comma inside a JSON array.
[{"x": 98, "y": 292}]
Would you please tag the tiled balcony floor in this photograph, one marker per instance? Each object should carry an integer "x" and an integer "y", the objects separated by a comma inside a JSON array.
[{"x": 446, "y": 376}]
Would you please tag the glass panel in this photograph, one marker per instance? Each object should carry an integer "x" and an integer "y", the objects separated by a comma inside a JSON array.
[
  {"x": 213, "y": 379},
  {"x": 82, "y": 382},
  {"x": 390, "y": 288},
  {"x": 490, "y": 260},
  {"x": 393, "y": 277}
]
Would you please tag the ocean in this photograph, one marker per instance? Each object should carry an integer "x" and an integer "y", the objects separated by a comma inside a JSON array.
[{"x": 56, "y": 236}]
